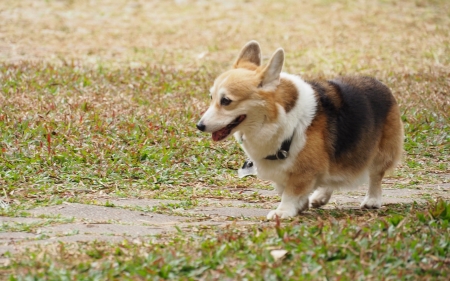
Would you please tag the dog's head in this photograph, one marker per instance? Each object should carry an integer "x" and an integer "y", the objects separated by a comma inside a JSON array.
[{"x": 239, "y": 96}]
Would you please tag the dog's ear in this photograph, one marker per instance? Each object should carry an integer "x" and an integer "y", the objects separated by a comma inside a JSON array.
[
  {"x": 271, "y": 73},
  {"x": 249, "y": 57}
]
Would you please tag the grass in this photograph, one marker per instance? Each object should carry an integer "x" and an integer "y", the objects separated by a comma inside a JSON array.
[
  {"x": 33, "y": 226},
  {"x": 403, "y": 242},
  {"x": 103, "y": 100}
]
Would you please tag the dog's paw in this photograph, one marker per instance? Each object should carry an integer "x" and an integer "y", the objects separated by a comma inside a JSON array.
[
  {"x": 318, "y": 202},
  {"x": 282, "y": 214},
  {"x": 319, "y": 198},
  {"x": 371, "y": 203},
  {"x": 289, "y": 207}
]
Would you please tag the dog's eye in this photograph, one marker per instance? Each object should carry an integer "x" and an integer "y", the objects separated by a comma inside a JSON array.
[{"x": 225, "y": 101}]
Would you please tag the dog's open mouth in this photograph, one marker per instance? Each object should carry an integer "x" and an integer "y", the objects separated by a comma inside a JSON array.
[{"x": 224, "y": 132}]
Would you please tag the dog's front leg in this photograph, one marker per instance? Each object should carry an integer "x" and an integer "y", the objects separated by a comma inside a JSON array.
[
  {"x": 279, "y": 188},
  {"x": 290, "y": 206},
  {"x": 294, "y": 199}
]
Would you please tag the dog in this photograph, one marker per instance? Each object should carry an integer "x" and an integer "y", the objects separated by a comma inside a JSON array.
[{"x": 308, "y": 137}]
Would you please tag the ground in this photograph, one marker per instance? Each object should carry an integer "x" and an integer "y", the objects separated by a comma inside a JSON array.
[{"x": 104, "y": 176}]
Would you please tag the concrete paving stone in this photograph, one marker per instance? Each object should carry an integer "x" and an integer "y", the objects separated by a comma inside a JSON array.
[
  {"x": 9, "y": 240},
  {"x": 103, "y": 214},
  {"x": 444, "y": 187},
  {"x": 238, "y": 203},
  {"x": 343, "y": 203},
  {"x": 4, "y": 249},
  {"x": 21, "y": 245},
  {"x": 205, "y": 223},
  {"x": 78, "y": 238},
  {"x": 15, "y": 236},
  {"x": 441, "y": 189},
  {"x": 389, "y": 197},
  {"x": 233, "y": 211},
  {"x": 439, "y": 186},
  {"x": 410, "y": 193},
  {"x": 103, "y": 229},
  {"x": 127, "y": 224},
  {"x": 262, "y": 192},
  {"x": 144, "y": 203},
  {"x": 97, "y": 232},
  {"x": 20, "y": 220},
  {"x": 224, "y": 202}
]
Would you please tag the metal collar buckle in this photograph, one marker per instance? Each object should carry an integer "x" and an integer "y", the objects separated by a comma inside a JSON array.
[{"x": 282, "y": 154}]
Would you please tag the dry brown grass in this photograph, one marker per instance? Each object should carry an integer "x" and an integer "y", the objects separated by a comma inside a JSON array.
[
  {"x": 404, "y": 43},
  {"x": 319, "y": 36}
]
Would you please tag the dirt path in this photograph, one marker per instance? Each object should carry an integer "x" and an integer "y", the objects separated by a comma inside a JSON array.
[{"x": 122, "y": 219}]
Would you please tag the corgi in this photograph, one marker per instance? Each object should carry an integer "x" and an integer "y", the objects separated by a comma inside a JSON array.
[{"x": 308, "y": 137}]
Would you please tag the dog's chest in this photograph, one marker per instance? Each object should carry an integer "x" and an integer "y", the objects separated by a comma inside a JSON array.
[{"x": 275, "y": 171}]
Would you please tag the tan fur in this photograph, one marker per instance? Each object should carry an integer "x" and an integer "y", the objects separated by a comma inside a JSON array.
[
  {"x": 246, "y": 65},
  {"x": 390, "y": 147},
  {"x": 285, "y": 95},
  {"x": 313, "y": 160}
]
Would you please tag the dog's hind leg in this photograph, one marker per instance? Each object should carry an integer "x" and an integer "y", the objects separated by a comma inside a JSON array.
[
  {"x": 373, "y": 196},
  {"x": 320, "y": 196},
  {"x": 390, "y": 149}
]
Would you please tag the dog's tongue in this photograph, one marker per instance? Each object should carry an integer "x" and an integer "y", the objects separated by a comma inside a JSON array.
[{"x": 220, "y": 134}]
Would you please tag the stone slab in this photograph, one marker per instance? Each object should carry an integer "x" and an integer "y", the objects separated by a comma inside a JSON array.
[
  {"x": 95, "y": 213},
  {"x": 102, "y": 229},
  {"x": 9, "y": 240},
  {"x": 233, "y": 211},
  {"x": 80, "y": 238},
  {"x": 116, "y": 224},
  {"x": 15, "y": 236},
  {"x": 222, "y": 203},
  {"x": 5, "y": 249},
  {"x": 19, "y": 220},
  {"x": 262, "y": 192},
  {"x": 144, "y": 203}
]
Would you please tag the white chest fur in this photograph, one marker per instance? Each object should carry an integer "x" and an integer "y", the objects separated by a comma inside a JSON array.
[{"x": 268, "y": 139}]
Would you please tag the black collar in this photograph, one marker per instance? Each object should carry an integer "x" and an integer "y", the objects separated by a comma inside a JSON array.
[{"x": 283, "y": 152}]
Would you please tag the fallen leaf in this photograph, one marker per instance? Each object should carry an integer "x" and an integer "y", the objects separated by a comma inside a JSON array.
[{"x": 278, "y": 254}]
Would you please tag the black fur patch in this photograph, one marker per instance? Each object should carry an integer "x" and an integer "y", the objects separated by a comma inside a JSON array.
[{"x": 364, "y": 105}]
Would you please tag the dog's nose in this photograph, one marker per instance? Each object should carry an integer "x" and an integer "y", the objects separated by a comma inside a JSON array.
[{"x": 201, "y": 126}]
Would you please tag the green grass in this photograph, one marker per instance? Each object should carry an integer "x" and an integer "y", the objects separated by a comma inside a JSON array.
[
  {"x": 70, "y": 134},
  {"x": 103, "y": 100},
  {"x": 86, "y": 137},
  {"x": 32, "y": 227},
  {"x": 399, "y": 243},
  {"x": 122, "y": 132}
]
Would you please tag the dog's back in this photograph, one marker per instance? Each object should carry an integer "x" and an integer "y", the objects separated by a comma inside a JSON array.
[{"x": 358, "y": 110}]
